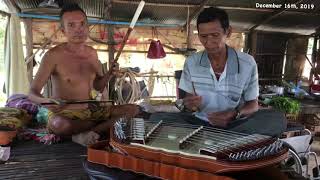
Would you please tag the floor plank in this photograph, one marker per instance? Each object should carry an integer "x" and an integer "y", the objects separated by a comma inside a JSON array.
[{"x": 32, "y": 160}]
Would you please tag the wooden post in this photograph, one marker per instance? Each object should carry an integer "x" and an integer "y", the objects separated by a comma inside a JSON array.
[
  {"x": 297, "y": 48},
  {"x": 246, "y": 47},
  {"x": 314, "y": 58},
  {"x": 111, "y": 45},
  {"x": 252, "y": 43},
  {"x": 111, "y": 52},
  {"x": 189, "y": 33},
  {"x": 29, "y": 46}
]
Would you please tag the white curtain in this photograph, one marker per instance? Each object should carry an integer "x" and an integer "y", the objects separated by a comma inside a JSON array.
[{"x": 16, "y": 69}]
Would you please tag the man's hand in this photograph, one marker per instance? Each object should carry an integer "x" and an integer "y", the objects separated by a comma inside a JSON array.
[
  {"x": 221, "y": 119},
  {"x": 114, "y": 69},
  {"x": 101, "y": 80},
  {"x": 192, "y": 102}
]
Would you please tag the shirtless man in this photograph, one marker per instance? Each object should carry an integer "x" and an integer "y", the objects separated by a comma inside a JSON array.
[{"x": 75, "y": 71}]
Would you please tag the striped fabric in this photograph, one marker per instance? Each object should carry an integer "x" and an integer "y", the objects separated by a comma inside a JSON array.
[
  {"x": 236, "y": 84},
  {"x": 21, "y": 101}
]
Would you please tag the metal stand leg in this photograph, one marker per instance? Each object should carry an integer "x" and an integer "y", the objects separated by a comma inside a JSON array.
[
  {"x": 317, "y": 164},
  {"x": 297, "y": 160}
]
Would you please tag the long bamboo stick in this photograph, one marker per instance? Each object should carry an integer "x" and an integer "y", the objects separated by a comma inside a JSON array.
[
  {"x": 133, "y": 22},
  {"x": 76, "y": 102}
]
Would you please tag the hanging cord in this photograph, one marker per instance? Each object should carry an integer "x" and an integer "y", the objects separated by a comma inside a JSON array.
[
  {"x": 151, "y": 81},
  {"x": 127, "y": 81}
]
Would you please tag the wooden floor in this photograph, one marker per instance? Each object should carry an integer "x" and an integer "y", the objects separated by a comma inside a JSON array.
[{"x": 31, "y": 160}]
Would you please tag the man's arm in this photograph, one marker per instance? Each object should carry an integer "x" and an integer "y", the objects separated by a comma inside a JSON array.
[
  {"x": 46, "y": 68},
  {"x": 101, "y": 79},
  {"x": 185, "y": 80},
  {"x": 248, "y": 108},
  {"x": 251, "y": 93}
]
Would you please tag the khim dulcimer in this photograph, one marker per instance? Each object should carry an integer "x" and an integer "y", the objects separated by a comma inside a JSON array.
[{"x": 196, "y": 148}]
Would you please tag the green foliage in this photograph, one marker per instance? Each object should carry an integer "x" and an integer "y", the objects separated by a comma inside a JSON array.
[
  {"x": 2, "y": 34},
  {"x": 3, "y": 23},
  {"x": 3, "y": 97},
  {"x": 285, "y": 104}
]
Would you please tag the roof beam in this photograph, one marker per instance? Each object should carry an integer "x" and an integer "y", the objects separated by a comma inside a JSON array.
[
  {"x": 2, "y": 13},
  {"x": 15, "y": 5},
  {"x": 107, "y": 9},
  {"x": 317, "y": 33},
  {"x": 189, "y": 5},
  {"x": 186, "y": 5},
  {"x": 195, "y": 6},
  {"x": 154, "y": 4},
  {"x": 196, "y": 12},
  {"x": 272, "y": 16},
  {"x": 243, "y": 9}
]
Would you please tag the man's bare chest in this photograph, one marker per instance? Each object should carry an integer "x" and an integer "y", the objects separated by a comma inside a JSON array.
[{"x": 75, "y": 69}]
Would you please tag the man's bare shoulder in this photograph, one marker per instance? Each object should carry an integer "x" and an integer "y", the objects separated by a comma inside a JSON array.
[
  {"x": 91, "y": 50},
  {"x": 92, "y": 53},
  {"x": 57, "y": 49},
  {"x": 53, "y": 55}
]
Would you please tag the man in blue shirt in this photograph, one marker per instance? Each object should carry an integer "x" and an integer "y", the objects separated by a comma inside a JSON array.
[{"x": 221, "y": 83}]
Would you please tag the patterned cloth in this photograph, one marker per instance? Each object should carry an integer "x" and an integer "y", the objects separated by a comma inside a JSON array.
[
  {"x": 40, "y": 135},
  {"x": 13, "y": 117},
  {"x": 21, "y": 101},
  {"x": 97, "y": 114},
  {"x": 42, "y": 115},
  {"x": 238, "y": 82}
]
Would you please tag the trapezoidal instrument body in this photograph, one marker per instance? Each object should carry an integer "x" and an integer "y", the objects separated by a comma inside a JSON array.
[{"x": 199, "y": 149}]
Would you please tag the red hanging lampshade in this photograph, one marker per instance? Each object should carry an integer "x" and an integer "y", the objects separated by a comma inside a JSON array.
[{"x": 156, "y": 50}]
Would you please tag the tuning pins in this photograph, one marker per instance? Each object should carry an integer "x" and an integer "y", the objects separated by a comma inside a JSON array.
[
  {"x": 119, "y": 129},
  {"x": 256, "y": 153}
]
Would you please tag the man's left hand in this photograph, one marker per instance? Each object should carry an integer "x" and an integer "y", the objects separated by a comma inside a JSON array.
[
  {"x": 114, "y": 68},
  {"x": 221, "y": 119}
]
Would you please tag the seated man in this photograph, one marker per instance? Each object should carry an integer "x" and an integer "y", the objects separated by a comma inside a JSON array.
[
  {"x": 75, "y": 71},
  {"x": 222, "y": 84}
]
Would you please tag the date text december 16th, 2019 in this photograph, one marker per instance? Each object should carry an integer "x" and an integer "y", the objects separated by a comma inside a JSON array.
[{"x": 284, "y": 5}]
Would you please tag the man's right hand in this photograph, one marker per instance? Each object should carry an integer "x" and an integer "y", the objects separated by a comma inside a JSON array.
[{"x": 192, "y": 102}]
